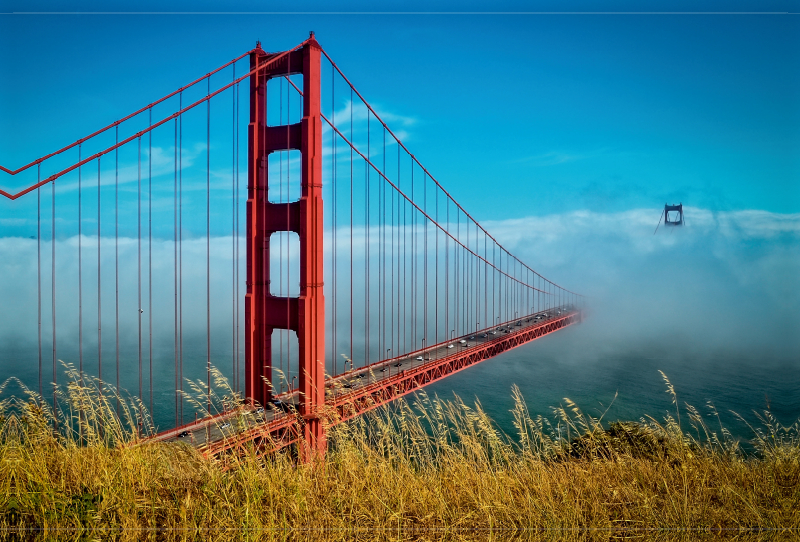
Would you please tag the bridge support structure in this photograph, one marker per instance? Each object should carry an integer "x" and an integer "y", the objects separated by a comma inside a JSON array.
[
  {"x": 265, "y": 312},
  {"x": 345, "y": 404}
]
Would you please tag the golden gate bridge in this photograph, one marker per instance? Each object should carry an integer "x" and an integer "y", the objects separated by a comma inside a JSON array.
[{"x": 323, "y": 312}]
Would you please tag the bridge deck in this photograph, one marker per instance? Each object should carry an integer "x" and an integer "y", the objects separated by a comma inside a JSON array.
[{"x": 355, "y": 392}]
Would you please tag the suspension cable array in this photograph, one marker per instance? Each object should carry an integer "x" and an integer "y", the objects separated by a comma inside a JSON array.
[{"x": 407, "y": 270}]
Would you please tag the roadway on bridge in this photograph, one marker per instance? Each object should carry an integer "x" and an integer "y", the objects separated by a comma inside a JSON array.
[{"x": 229, "y": 424}]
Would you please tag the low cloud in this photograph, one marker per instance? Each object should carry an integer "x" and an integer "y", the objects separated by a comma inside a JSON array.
[{"x": 724, "y": 282}]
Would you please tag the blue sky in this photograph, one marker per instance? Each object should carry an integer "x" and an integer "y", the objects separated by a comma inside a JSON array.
[{"x": 516, "y": 114}]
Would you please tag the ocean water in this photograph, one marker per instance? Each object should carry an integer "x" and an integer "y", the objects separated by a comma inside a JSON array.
[
  {"x": 616, "y": 381},
  {"x": 627, "y": 384}
]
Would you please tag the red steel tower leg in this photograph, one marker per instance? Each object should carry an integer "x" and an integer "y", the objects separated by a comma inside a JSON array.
[
  {"x": 311, "y": 317},
  {"x": 263, "y": 311},
  {"x": 257, "y": 337}
]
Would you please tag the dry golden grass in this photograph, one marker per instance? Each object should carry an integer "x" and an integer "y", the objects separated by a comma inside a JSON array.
[{"x": 433, "y": 464}]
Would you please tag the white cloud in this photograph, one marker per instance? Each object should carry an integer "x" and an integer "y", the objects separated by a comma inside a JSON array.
[
  {"x": 399, "y": 124},
  {"x": 163, "y": 164},
  {"x": 725, "y": 280}
]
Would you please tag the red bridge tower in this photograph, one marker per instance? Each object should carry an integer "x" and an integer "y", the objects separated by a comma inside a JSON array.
[{"x": 265, "y": 312}]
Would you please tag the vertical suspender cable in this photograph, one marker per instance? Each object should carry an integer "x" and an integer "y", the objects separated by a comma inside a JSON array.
[
  {"x": 401, "y": 277},
  {"x": 425, "y": 260},
  {"x": 399, "y": 350},
  {"x": 391, "y": 289},
  {"x": 474, "y": 278},
  {"x": 99, "y": 305},
  {"x": 465, "y": 286},
  {"x": 436, "y": 268},
  {"x": 39, "y": 269},
  {"x": 465, "y": 265},
  {"x": 175, "y": 265},
  {"x": 401, "y": 263},
  {"x": 53, "y": 290},
  {"x": 395, "y": 247},
  {"x": 382, "y": 255},
  {"x": 80, "y": 277},
  {"x": 208, "y": 247},
  {"x": 351, "y": 231},
  {"x": 150, "y": 257},
  {"x": 334, "y": 161},
  {"x": 413, "y": 268},
  {"x": 233, "y": 233},
  {"x": 477, "y": 279},
  {"x": 236, "y": 221},
  {"x": 456, "y": 283},
  {"x": 447, "y": 274},
  {"x": 468, "y": 297},
  {"x": 334, "y": 277},
  {"x": 379, "y": 200},
  {"x": 515, "y": 289},
  {"x": 139, "y": 254},
  {"x": 471, "y": 295},
  {"x": 507, "y": 293},
  {"x": 116, "y": 266},
  {"x": 501, "y": 298},
  {"x": 366, "y": 251},
  {"x": 180, "y": 256},
  {"x": 383, "y": 215}
]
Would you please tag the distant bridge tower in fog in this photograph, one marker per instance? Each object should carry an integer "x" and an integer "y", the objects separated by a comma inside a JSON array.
[{"x": 673, "y": 215}]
